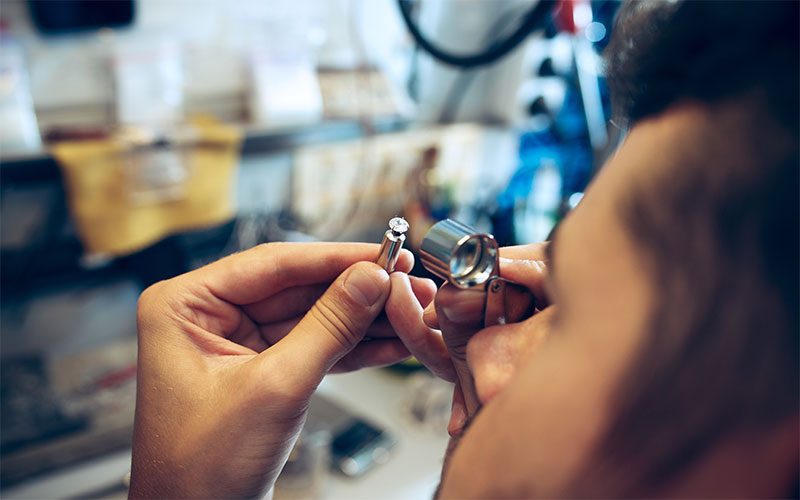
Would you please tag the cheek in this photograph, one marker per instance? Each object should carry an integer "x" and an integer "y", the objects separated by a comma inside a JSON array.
[
  {"x": 496, "y": 354},
  {"x": 491, "y": 356}
]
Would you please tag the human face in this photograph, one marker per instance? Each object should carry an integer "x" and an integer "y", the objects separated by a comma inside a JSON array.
[{"x": 535, "y": 435}]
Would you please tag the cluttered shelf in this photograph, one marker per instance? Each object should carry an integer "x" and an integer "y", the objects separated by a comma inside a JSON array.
[
  {"x": 40, "y": 166},
  {"x": 34, "y": 190}
]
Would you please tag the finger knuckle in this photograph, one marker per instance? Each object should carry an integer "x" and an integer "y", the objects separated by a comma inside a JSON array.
[
  {"x": 272, "y": 255},
  {"x": 267, "y": 248},
  {"x": 148, "y": 299},
  {"x": 334, "y": 323}
]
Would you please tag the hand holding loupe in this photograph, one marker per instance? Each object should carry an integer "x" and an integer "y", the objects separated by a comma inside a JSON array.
[{"x": 469, "y": 260}]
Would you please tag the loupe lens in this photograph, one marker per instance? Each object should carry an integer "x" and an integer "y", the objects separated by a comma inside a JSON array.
[
  {"x": 459, "y": 253},
  {"x": 473, "y": 261},
  {"x": 465, "y": 258}
]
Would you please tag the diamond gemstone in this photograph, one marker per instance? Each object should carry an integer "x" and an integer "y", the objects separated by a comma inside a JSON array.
[{"x": 398, "y": 225}]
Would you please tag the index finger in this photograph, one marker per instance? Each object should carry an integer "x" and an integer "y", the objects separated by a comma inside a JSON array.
[
  {"x": 262, "y": 271},
  {"x": 532, "y": 251},
  {"x": 405, "y": 314},
  {"x": 526, "y": 265}
]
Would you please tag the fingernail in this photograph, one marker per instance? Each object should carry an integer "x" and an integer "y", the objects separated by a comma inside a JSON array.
[
  {"x": 429, "y": 317},
  {"x": 468, "y": 309},
  {"x": 457, "y": 419},
  {"x": 366, "y": 287}
]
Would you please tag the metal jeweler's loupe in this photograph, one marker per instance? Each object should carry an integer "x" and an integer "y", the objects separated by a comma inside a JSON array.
[{"x": 469, "y": 260}]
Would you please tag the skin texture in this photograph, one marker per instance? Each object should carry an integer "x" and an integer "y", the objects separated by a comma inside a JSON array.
[
  {"x": 488, "y": 357},
  {"x": 548, "y": 385},
  {"x": 230, "y": 354},
  {"x": 557, "y": 393},
  {"x": 227, "y": 365}
]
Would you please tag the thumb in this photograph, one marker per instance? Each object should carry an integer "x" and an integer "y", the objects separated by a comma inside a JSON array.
[{"x": 335, "y": 324}]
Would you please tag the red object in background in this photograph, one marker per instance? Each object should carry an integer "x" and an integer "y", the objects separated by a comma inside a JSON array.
[
  {"x": 572, "y": 16},
  {"x": 116, "y": 377}
]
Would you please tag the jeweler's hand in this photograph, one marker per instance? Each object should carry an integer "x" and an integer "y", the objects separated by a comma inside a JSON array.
[
  {"x": 404, "y": 310},
  {"x": 230, "y": 354},
  {"x": 486, "y": 358}
]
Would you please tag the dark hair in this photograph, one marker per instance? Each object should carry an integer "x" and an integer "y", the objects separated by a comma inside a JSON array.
[
  {"x": 720, "y": 231},
  {"x": 660, "y": 52}
]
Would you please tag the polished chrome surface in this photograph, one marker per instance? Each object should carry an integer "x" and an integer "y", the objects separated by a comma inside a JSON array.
[
  {"x": 460, "y": 254},
  {"x": 392, "y": 244}
]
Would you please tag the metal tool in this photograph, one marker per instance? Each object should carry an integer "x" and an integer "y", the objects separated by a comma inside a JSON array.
[
  {"x": 469, "y": 260},
  {"x": 392, "y": 243}
]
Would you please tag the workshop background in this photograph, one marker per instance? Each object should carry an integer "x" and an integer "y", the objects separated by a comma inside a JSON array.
[{"x": 140, "y": 139}]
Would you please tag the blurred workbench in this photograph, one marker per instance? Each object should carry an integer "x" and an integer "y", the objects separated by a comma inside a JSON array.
[{"x": 412, "y": 471}]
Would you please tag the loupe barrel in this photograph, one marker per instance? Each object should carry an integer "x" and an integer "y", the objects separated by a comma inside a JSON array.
[{"x": 459, "y": 254}]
